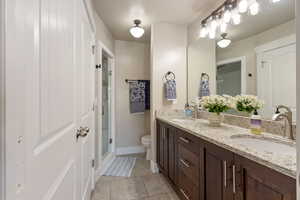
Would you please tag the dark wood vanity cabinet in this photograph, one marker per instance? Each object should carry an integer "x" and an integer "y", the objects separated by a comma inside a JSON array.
[
  {"x": 200, "y": 170},
  {"x": 218, "y": 173},
  {"x": 254, "y": 181},
  {"x": 166, "y": 150},
  {"x": 162, "y": 147}
]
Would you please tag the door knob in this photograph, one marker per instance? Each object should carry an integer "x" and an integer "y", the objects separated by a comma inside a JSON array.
[{"x": 82, "y": 132}]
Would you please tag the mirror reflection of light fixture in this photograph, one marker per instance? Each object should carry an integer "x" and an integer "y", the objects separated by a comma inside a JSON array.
[
  {"x": 224, "y": 42},
  {"x": 254, "y": 8},
  {"x": 137, "y": 31},
  {"x": 243, "y": 6}
]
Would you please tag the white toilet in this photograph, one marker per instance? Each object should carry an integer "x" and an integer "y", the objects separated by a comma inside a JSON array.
[{"x": 146, "y": 142}]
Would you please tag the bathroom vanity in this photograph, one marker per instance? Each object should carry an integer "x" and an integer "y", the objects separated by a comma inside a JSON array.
[{"x": 206, "y": 163}]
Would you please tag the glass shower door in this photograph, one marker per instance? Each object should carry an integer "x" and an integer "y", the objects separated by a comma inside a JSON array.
[{"x": 106, "y": 106}]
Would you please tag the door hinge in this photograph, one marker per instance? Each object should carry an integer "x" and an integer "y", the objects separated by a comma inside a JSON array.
[
  {"x": 93, "y": 163},
  {"x": 93, "y": 49},
  {"x": 110, "y": 141},
  {"x": 98, "y": 66}
]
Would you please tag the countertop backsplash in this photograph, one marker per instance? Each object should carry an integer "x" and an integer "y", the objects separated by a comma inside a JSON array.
[{"x": 274, "y": 127}]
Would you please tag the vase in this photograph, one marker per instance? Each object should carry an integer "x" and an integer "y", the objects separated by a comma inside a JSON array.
[{"x": 215, "y": 119}]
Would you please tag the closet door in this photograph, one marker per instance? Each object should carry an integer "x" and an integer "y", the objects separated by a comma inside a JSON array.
[{"x": 277, "y": 79}]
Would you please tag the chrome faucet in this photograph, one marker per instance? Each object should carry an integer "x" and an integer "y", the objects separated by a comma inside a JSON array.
[{"x": 288, "y": 115}]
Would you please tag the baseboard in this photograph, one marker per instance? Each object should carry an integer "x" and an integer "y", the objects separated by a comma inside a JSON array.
[
  {"x": 154, "y": 167},
  {"x": 105, "y": 165},
  {"x": 130, "y": 150}
]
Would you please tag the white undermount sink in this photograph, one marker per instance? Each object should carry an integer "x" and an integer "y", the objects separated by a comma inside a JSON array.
[{"x": 265, "y": 144}]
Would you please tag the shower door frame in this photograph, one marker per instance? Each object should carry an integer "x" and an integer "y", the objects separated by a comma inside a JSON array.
[
  {"x": 102, "y": 162},
  {"x": 241, "y": 59}
]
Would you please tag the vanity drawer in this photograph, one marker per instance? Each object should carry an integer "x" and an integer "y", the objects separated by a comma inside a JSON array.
[
  {"x": 189, "y": 141},
  {"x": 187, "y": 190},
  {"x": 189, "y": 163}
]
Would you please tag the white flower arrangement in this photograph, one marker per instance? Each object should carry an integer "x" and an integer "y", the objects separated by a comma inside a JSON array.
[
  {"x": 247, "y": 103},
  {"x": 216, "y": 103}
]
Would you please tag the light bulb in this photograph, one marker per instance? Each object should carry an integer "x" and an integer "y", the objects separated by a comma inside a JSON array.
[
  {"x": 227, "y": 16},
  {"x": 243, "y": 6},
  {"x": 275, "y": 1},
  {"x": 236, "y": 17},
  {"x": 212, "y": 33},
  {"x": 203, "y": 32},
  {"x": 254, "y": 8},
  {"x": 223, "y": 27},
  {"x": 214, "y": 24}
]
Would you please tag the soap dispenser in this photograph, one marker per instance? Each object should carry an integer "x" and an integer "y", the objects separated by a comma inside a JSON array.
[{"x": 255, "y": 123}]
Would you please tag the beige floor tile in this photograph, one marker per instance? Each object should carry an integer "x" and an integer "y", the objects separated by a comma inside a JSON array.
[
  {"x": 128, "y": 189},
  {"x": 142, "y": 185},
  {"x": 155, "y": 185}
]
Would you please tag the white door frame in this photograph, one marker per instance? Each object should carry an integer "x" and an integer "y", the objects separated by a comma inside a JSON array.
[
  {"x": 103, "y": 163},
  {"x": 2, "y": 95},
  {"x": 243, "y": 70},
  {"x": 90, "y": 15}
]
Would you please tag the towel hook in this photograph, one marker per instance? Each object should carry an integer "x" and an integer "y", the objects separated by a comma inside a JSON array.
[
  {"x": 204, "y": 75},
  {"x": 170, "y": 76}
]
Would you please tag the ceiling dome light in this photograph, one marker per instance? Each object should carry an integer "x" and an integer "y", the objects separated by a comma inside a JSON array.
[
  {"x": 254, "y": 8},
  {"x": 224, "y": 42},
  {"x": 243, "y": 6},
  {"x": 137, "y": 31},
  {"x": 203, "y": 31}
]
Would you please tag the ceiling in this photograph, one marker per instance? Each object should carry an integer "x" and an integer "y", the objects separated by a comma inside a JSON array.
[
  {"x": 271, "y": 15},
  {"x": 118, "y": 15}
]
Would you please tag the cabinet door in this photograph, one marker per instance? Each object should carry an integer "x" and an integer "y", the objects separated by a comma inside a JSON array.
[
  {"x": 162, "y": 147},
  {"x": 171, "y": 154},
  {"x": 218, "y": 173},
  {"x": 254, "y": 181}
]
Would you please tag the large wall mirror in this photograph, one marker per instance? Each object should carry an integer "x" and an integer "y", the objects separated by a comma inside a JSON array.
[{"x": 259, "y": 59}]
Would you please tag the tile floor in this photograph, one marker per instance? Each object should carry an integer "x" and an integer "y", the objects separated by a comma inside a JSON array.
[{"x": 142, "y": 185}]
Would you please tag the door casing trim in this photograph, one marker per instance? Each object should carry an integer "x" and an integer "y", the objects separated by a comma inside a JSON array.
[{"x": 2, "y": 99}]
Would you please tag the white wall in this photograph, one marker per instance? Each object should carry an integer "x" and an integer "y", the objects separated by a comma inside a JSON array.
[
  {"x": 246, "y": 47},
  {"x": 2, "y": 80},
  {"x": 298, "y": 96},
  {"x": 103, "y": 34},
  {"x": 168, "y": 53},
  {"x": 201, "y": 59},
  {"x": 132, "y": 62}
]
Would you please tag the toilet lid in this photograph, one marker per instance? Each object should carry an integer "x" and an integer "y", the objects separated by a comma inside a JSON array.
[{"x": 146, "y": 138}]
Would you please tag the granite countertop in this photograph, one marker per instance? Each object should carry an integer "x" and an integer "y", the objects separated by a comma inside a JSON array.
[{"x": 281, "y": 161}]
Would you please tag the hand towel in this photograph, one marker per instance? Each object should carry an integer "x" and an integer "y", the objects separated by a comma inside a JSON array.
[
  {"x": 137, "y": 97},
  {"x": 170, "y": 90},
  {"x": 204, "y": 88}
]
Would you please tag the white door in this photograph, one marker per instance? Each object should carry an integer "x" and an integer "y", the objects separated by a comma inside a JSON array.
[
  {"x": 277, "y": 79},
  {"x": 85, "y": 89},
  {"x": 49, "y": 84}
]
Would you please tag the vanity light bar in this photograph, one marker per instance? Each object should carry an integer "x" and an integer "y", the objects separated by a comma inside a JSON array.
[{"x": 228, "y": 12}]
